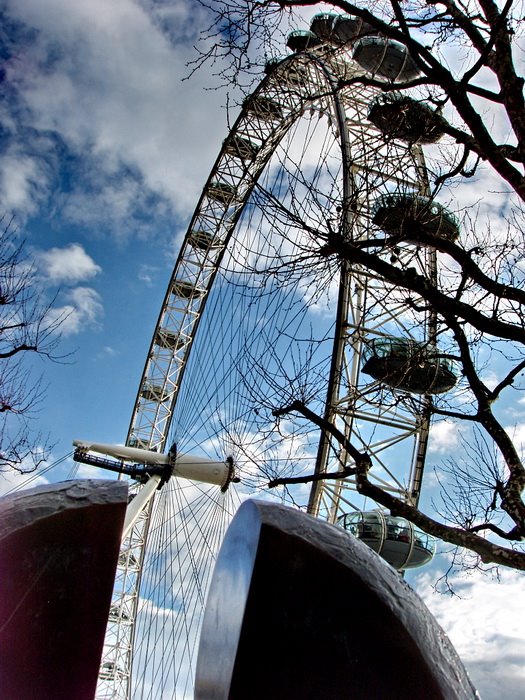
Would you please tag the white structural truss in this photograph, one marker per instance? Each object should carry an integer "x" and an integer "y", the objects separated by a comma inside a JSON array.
[{"x": 260, "y": 312}]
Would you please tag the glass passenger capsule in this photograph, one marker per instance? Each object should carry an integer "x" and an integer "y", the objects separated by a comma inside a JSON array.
[
  {"x": 347, "y": 29},
  {"x": 292, "y": 74},
  {"x": 397, "y": 540},
  {"x": 408, "y": 365},
  {"x": 117, "y": 613},
  {"x": 386, "y": 58},
  {"x": 203, "y": 240},
  {"x": 240, "y": 147},
  {"x": 323, "y": 25},
  {"x": 263, "y": 107},
  {"x": 154, "y": 392},
  {"x": 302, "y": 39},
  {"x": 186, "y": 290},
  {"x": 137, "y": 442},
  {"x": 109, "y": 671},
  {"x": 401, "y": 117},
  {"x": 169, "y": 339},
  {"x": 127, "y": 560},
  {"x": 221, "y": 192},
  {"x": 409, "y": 216},
  {"x": 339, "y": 29}
]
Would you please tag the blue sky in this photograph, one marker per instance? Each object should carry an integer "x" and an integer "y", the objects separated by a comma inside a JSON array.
[
  {"x": 104, "y": 149},
  {"x": 104, "y": 153}
]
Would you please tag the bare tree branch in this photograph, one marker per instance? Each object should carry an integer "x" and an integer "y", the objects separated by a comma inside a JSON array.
[{"x": 27, "y": 328}]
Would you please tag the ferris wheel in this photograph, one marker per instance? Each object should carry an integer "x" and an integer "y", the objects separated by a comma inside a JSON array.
[{"x": 261, "y": 313}]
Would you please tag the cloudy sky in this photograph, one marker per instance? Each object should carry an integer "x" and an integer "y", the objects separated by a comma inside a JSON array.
[{"x": 104, "y": 149}]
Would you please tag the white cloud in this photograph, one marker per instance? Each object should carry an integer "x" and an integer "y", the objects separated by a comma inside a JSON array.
[
  {"x": 82, "y": 311},
  {"x": 444, "y": 437},
  {"x": 485, "y": 624},
  {"x": 11, "y": 480},
  {"x": 108, "y": 351},
  {"x": 491, "y": 379},
  {"x": 23, "y": 181},
  {"x": 146, "y": 274},
  {"x": 107, "y": 79},
  {"x": 69, "y": 264},
  {"x": 16, "y": 175},
  {"x": 88, "y": 471}
]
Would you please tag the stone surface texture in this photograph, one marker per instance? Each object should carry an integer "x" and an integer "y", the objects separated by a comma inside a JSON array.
[
  {"x": 299, "y": 608},
  {"x": 59, "y": 547}
]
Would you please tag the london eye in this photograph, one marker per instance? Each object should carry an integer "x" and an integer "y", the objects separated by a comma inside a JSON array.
[{"x": 263, "y": 316}]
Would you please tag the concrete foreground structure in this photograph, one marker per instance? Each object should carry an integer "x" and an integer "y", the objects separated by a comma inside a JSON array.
[
  {"x": 299, "y": 609},
  {"x": 59, "y": 547}
]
